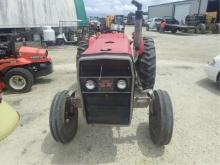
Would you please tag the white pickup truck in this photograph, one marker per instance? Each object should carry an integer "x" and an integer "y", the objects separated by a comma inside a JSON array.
[
  {"x": 153, "y": 23},
  {"x": 212, "y": 69}
]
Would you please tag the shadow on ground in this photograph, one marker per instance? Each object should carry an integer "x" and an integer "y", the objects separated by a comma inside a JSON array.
[
  {"x": 185, "y": 34},
  {"x": 210, "y": 86},
  {"x": 96, "y": 145},
  {"x": 145, "y": 144},
  {"x": 44, "y": 80}
]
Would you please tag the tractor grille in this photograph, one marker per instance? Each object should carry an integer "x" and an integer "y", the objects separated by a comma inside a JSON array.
[{"x": 106, "y": 104}]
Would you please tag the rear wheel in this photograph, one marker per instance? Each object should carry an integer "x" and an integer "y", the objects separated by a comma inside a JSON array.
[
  {"x": 216, "y": 28},
  {"x": 19, "y": 80},
  {"x": 82, "y": 46},
  {"x": 173, "y": 30},
  {"x": 146, "y": 64},
  {"x": 63, "y": 118},
  {"x": 161, "y": 118},
  {"x": 201, "y": 28},
  {"x": 147, "y": 28}
]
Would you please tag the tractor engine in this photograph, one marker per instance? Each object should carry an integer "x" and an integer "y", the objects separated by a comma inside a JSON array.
[{"x": 106, "y": 78}]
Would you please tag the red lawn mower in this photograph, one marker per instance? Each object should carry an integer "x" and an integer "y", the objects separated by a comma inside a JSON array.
[
  {"x": 19, "y": 69},
  {"x": 115, "y": 75}
]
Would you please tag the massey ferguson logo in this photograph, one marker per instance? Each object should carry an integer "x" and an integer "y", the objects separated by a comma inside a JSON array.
[{"x": 105, "y": 84}]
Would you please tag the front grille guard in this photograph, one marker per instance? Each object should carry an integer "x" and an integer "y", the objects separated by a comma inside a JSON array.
[{"x": 139, "y": 98}]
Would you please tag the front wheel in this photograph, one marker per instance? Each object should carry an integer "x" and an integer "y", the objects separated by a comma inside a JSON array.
[
  {"x": 161, "y": 118},
  {"x": 63, "y": 118},
  {"x": 19, "y": 80}
]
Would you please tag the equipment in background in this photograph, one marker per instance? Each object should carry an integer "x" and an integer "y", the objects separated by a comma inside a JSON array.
[
  {"x": 118, "y": 23},
  {"x": 109, "y": 21},
  {"x": 20, "y": 66},
  {"x": 70, "y": 32},
  {"x": 131, "y": 19},
  {"x": 114, "y": 76},
  {"x": 49, "y": 36}
]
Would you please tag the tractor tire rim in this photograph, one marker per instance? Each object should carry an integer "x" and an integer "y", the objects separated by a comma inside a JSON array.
[{"x": 17, "y": 82}]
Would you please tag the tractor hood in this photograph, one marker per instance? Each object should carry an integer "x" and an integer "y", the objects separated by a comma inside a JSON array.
[
  {"x": 109, "y": 43},
  {"x": 32, "y": 53}
]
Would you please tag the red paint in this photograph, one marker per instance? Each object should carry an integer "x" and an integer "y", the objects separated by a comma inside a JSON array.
[
  {"x": 105, "y": 84},
  {"x": 27, "y": 55},
  {"x": 110, "y": 43},
  {"x": 2, "y": 86}
]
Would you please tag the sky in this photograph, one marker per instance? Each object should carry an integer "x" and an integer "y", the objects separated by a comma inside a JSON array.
[{"x": 113, "y": 7}]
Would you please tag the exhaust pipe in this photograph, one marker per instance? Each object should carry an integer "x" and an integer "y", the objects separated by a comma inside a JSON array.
[{"x": 138, "y": 25}]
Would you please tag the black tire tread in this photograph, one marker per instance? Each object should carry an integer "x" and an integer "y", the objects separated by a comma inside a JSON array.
[
  {"x": 147, "y": 64},
  {"x": 55, "y": 120},
  {"x": 82, "y": 46},
  {"x": 162, "y": 99},
  {"x": 23, "y": 72}
]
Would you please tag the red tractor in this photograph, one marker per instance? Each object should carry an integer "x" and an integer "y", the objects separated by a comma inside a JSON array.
[
  {"x": 18, "y": 70},
  {"x": 115, "y": 75}
]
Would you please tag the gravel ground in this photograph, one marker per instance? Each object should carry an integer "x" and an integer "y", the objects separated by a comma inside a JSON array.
[{"x": 196, "y": 105}]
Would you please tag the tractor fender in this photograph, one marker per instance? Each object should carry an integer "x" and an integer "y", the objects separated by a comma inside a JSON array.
[{"x": 12, "y": 63}]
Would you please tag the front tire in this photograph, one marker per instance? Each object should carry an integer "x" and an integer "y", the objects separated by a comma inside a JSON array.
[
  {"x": 63, "y": 118},
  {"x": 19, "y": 80},
  {"x": 161, "y": 118},
  {"x": 146, "y": 64}
]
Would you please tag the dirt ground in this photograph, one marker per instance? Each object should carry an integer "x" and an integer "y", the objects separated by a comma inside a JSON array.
[{"x": 196, "y": 103}]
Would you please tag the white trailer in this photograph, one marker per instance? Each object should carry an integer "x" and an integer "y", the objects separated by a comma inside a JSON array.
[
  {"x": 36, "y": 13},
  {"x": 179, "y": 9}
]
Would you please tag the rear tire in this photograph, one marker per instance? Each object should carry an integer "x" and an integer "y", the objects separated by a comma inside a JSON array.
[
  {"x": 174, "y": 30},
  {"x": 201, "y": 28},
  {"x": 146, "y": 64},
  {"x": 63, "y": 118},
  {"x": 216, "y": 29},
  {"x": 19, "y": 80},
  {"x": 82, "y": 46},
  {"x": 161, "y": 118},
  {"x": 147, "y": 28}
]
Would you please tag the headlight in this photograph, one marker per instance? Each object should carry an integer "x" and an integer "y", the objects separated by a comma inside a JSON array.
[
  {"x": 121, "y": 84},
  {"x": 90, "y": 84}
]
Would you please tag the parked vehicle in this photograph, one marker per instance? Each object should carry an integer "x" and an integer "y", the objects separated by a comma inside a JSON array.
[
  {"x": 113, "y": 77},
  {"x": 166, "y": 22},
  {"x": 118, "y": 23},
  {"x": 212, "y": 69},
  {"x": 153, "y": 23},
  {"x": 19, "y": 69}
]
